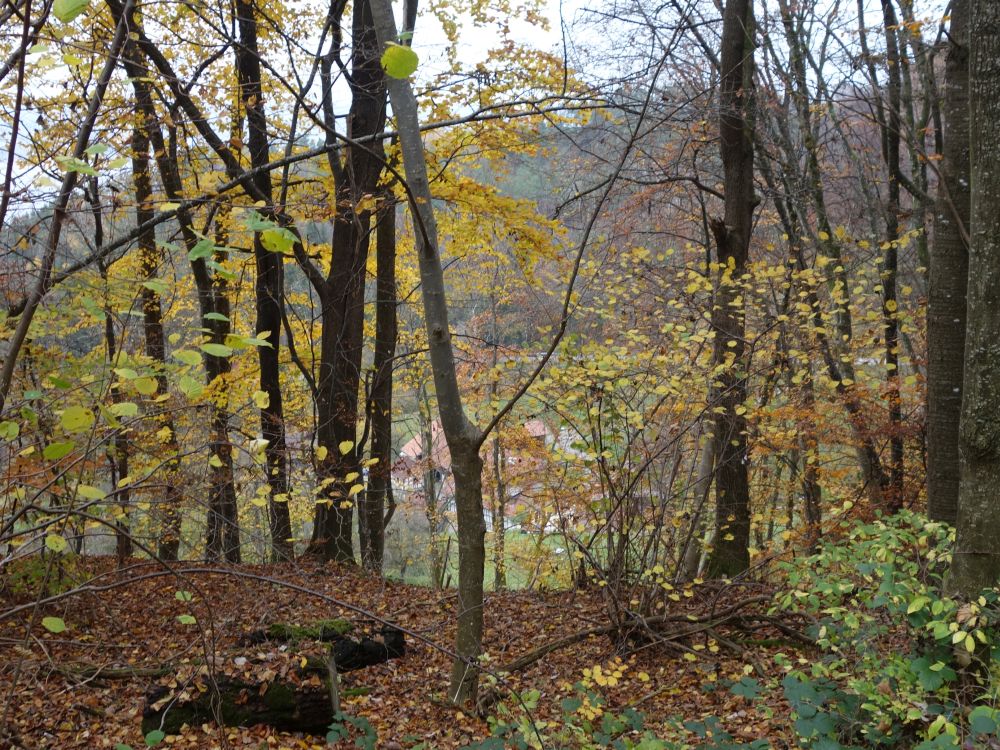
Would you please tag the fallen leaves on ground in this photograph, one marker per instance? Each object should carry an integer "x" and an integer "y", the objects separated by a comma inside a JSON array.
[{"x": 146, "y": 625}]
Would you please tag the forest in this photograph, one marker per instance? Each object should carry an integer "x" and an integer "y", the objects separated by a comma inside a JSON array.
[{"x": 500, "y": 374}]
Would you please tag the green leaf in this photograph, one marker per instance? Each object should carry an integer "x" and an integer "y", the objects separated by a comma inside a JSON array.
[
  {"x": 56, "y": 543},
  {"x": 154, "y": 738},
  {"x": 747, "y": 687},
  {"x": 53, "y": 624},
  {"x": 278, "y": 240},
  {"x": 191, "y": 387},
  {"x": 123, "y": 746},
  {"x": 399, "y": 61},
  {"x": 257, "y": 223},
  {"x": 76, "y": 419},
  {"x": 72, "y": 164},
  {"x": 254, "y": 341},
  {"x": 215, "y": 316},
  {"x": 203, "y": 249},
  {"x": 983, "y": 720},
  {"x": 188, "y": 357},
  {"x": 9, "y": 430},
  {"x": 182, "y": 596},
  {"x": 126, "y": 373},
  {"x": 186, "y": 619},
  {"x": 89, "y": 492},
  {"x": 67, "y": 10},
  {"x": 157, "y": 286},
  {"x": 220, "y": 270},
  {"x": 145, "y": 385},
  {"x": 217, "y": 350},
  {"x": 96, "y": 149},
  {"x": 124, "y": 409},
  {"x": 55, "y": 451}
]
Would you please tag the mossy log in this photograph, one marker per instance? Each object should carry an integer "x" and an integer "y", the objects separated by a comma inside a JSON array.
[
  {"x": 302, "y": 705},
  {"x": 284, "y": 632},
  {"x": 284, "y": 706}
]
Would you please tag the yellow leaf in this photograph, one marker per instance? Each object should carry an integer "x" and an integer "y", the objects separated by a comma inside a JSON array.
[
  {"x": 321, "y": 452},
  {"x": 262, "y": 399},
  {"x": 345, "y": 447}
]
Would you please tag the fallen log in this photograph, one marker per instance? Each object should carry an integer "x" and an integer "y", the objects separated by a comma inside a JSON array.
[
  {"x": 300, "y": 702},
  {"x": 284, "y": 706},
  {"x": 325, "y": 631}
]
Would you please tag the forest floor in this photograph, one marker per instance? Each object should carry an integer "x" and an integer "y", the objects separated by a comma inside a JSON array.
[{"x": 85, "y": 687}]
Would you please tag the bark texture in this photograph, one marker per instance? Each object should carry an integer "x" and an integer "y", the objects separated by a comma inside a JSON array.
[
  {"x": 949, "y": 274},
  {"x": 342, "y": 290},
  {"x": 976, "y": 562},
  {"x": 269, "y": 288},
  {"x": 464, "y": 438},
  {"x": 730, "y": 554}
]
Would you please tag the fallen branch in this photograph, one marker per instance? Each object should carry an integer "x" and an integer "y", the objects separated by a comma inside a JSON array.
[{"x": 701, "y": 623}]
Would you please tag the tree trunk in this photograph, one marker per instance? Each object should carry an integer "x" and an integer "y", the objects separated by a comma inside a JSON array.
[
  {"x": 949, "y": 274},
  {"x": 730, "y": 555},
  {"x": 432, "y": 509},
  {"x": 222, "y": 536},
  {"x": 890, "y": 263},
  {"x": 152, "y": 315},
  {"x": 269, "y": 289},
  {"x": 379, "y": 504},
  {"x": 499, "y": 517},
  {"x": 117, "y": 450},
  {"x": 976, "y": 561},
  {"x": 464, "y": 439},
  {"x": 342, "y": 292}
]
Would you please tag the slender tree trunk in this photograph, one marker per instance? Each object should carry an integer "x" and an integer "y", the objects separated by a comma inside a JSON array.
[
  {"x": 118, "y": 451},
  {"x": 464, "y": 438},
  {"x": 342, "y": 293},
  {"x": 976, "y": 560},
  {"x": 812, "y": 492},
  {"x": 890, "y": 262},
  {"x": 949, "y": 273},
  {"x": 222, "y": 534},
  {"x": 432, "y": 508},
  {"x": 379, "y": 504},
  {"x": 499, "y": 517},
  {"x": 269, "y": 289},
  {"x": 169, "y": 511},
  {"x": 730, "y": 554},
  {"x": 691, "y": 554}
]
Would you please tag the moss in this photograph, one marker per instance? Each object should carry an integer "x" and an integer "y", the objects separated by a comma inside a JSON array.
[
  {"x": 322, "y": 630},
  {"x": 279, "y": 697}
]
